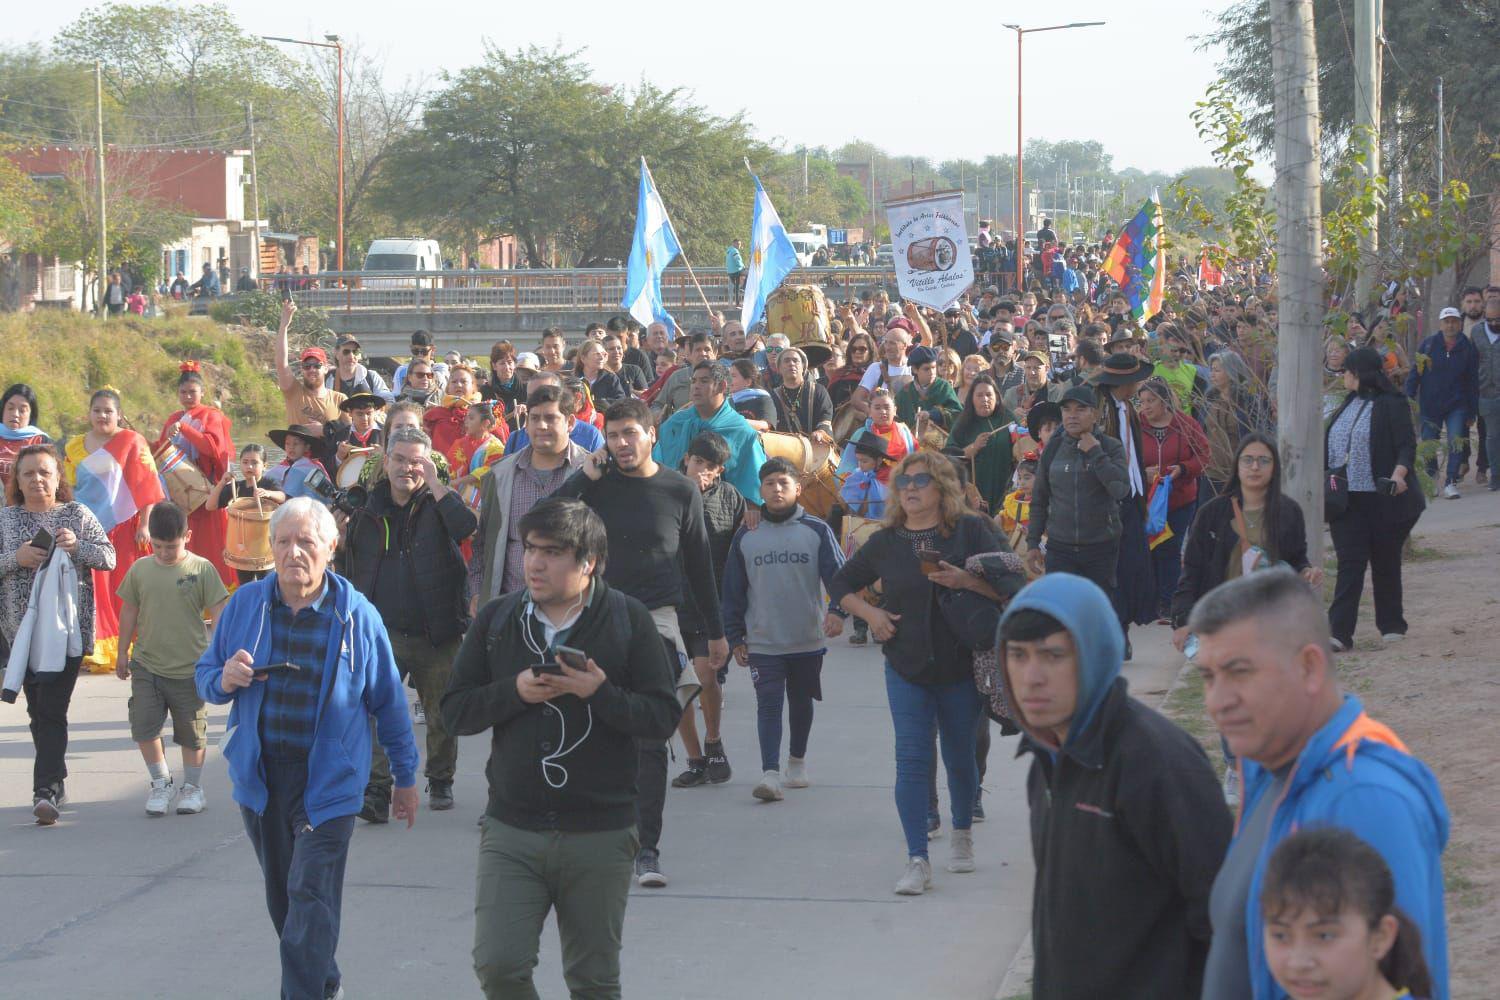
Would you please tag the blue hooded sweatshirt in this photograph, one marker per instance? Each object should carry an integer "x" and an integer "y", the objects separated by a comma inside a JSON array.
[
  {"x": 746, "y": 455},
  {"x": 359, "y": 680},
  {"x": 1354, "y": 773}
]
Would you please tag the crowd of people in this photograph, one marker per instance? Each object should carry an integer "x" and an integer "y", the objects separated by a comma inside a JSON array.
[{"x": 569, "y": 548}]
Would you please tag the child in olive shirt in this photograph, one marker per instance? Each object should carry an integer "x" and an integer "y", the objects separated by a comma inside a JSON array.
[{"x": 163, "y": 603}]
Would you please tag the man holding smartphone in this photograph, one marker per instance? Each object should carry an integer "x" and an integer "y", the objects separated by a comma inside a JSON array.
[{"x": 568, "y": 674}]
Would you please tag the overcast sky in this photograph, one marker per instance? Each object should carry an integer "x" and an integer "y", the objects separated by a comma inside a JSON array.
[{"x": 816, "y": 73}]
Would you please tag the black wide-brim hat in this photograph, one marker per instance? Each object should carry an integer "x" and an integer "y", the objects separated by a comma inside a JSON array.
[
  {"x": 278, "y": 437},
  {"x": 1123, "y": 369},
  {"x": 873, "y": 445},
  {"x": 360, "y": 399}
]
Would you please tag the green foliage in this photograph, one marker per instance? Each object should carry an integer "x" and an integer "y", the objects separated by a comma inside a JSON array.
[
  {"x": 263, "y": 309},
  {"x": 1238, "y": 221},
  {"x": 65, "y": 356}
]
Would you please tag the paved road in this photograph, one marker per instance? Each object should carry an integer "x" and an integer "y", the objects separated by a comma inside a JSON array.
[{"x": 792, "y": 899}]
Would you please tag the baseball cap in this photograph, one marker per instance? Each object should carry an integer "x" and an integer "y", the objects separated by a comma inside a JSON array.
[
  {"x": 344, "y": 341},
  {"x": 314, "y": 354},
  {"x": 1080, "y": 394},
  {"x": 1450, "y": 313},
  {"x": 527, "y": 361}
]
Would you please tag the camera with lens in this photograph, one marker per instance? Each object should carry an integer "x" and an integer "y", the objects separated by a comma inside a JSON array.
[{"x": 349, "y": 501}]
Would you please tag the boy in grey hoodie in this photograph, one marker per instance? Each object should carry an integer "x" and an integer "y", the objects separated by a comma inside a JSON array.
[{"x": 773, "y": 589}]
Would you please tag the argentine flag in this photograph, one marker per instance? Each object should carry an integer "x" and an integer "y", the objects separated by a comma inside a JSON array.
[
  {"x": 772, "y": 257},
  {"x": 653, "y": 248}
]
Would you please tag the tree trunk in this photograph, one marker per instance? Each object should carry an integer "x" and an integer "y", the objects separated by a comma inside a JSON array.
[{"x": 1299, "y": 236}]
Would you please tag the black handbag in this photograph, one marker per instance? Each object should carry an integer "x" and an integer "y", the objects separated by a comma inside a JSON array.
[{"x": 1336, "y": 480}]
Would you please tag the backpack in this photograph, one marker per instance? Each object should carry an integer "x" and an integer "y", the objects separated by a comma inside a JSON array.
[{"x": 615, "y": 608}]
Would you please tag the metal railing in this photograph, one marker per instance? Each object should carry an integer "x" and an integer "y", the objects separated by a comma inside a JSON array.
[{"x": 599, "y": 290}]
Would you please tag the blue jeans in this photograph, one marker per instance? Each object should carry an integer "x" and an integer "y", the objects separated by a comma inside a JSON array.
[
  {"x": 915, "y": 710},
  {"x": 795, "y": 680},
  {"x": 1458, "y": 434},
  {"x": 303, "y": 870}
]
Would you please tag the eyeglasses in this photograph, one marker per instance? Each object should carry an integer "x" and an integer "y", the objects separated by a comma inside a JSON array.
[
  {"x": 415, "y": 375},
  {"x": 312, "y": 364},
  {"x": 350, "y": 352},
  {"x": 421, "y": 351},
  {"x": 1256, "y": 461},
  {"x": 920, "y": 481}
]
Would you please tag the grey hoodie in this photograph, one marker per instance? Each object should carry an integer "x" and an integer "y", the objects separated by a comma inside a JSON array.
[{"x": 1077, "y": 495}]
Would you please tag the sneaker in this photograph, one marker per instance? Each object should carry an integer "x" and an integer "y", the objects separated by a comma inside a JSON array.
[
  {"x": 337, "y": 993},
  {"x": 978, "y": 813},
  {"x": 961, "y": 858},
  {"x": 1232, "y": 788},
  {"x": 648, "y": 869},
  {"x": 1337, "y": 645},
  {"x": 439, "y": 795},
  {"x": 768, "y": 789},
  {"x": 44, "y": 808},
  {"x": 718, "y": 763},
  {"x": 695, "y": 775},
  {"x": 796, "y": 772},
  {"x": 377, "y": 809},
  {"x": 160, "y": 797},
  {"x": 1393, "y": 636},
  {"x": 917, "y": 878},
  {"x": 190, "y": 801},
  {"x": 1450, "y": 492},
  {"x": 419, "y": 714},
  {"x": 934, "y": 826}
]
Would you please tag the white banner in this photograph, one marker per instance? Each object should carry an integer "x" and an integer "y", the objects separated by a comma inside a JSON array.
[{"x": 930, "y": 248}]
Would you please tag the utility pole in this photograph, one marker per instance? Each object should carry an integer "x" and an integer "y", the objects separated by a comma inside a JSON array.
[
  {"x": 1299, "y": 238},
  {"x": 99, "y": 175},
  {"x": 254, "y": 189},
  {"x": 1367, "y": 33},
  {"x": 1441, "y": 125}
]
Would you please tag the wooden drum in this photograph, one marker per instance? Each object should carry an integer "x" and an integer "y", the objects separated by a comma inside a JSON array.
[
  {"x": 247, "y": 546},
  {"x": 186, "y": 484},
  {"x": 353, "y": 465}
]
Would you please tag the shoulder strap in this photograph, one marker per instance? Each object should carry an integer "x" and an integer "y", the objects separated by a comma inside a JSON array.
[
  {"x": 619, "y": 619},
  {"x": 504, "y": 607}
]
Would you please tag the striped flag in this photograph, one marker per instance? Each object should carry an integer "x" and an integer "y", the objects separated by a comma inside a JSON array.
[
  {"x": 1138, "y": 262},
  {"x": 117, "y": 480}
]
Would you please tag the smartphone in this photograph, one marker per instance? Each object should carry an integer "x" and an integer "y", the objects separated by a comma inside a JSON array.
[
  {"x": 275, "y": 668},
  {"x": 573, "y": 659},
  {"x": 42, "y": 539},
  {"x": 286, "y": 292},
  {"x": 929, "y": 559},
  {"x": 539, "y": 669},
  {"x": 1385, "y": 485}
]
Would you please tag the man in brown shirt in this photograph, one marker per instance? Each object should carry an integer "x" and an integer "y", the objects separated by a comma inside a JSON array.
[{"x": 308, "y": 400}]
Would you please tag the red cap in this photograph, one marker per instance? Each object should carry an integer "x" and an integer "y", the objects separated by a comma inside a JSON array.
[
  {"x": 315, "y": 354},
  {"x": 901, "y": 323}
]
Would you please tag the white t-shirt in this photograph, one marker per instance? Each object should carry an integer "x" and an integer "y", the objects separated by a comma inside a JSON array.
[{"x": 871, "y": 377}]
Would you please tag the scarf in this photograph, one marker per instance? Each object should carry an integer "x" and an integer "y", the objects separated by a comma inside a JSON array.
[{"x": 21, "y": 434}]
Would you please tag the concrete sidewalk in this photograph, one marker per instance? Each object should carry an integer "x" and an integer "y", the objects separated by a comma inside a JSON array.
[{"x": 790, "y": 899}]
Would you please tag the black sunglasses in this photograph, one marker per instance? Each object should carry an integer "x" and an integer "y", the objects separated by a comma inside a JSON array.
[{"x": 921, "y": 481}]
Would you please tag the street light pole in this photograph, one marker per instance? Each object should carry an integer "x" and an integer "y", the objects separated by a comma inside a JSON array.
[
  {"x": 332, "y": 42},
  {"x": 1021, "y": 33}
]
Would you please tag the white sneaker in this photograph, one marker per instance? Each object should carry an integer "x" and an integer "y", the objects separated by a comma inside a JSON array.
[
  {"x": 769, "y": 787},
  {"x": 190, "y": 800},
  {"x": 962, "y": 846},
  {"x": 1450, "y": 492},
  {"x": 160, "y": 797},
  {"x": 796, "y": 772},
  {"x": 1336, "y": 646},
  {"x": 917, "y": 878},
  {"x": 419, "y": 714},
  {"x": 1394, "y": 636}
]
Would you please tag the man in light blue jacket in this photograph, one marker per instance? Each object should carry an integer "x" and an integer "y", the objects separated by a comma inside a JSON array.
[{"x": 304, "y": 661}]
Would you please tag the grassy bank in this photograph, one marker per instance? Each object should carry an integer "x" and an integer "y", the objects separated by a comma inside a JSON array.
[{"x": 65, "y": 356}]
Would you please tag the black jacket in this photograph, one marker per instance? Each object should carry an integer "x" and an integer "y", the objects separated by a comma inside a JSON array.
[
  {"x": 723, "y": 512},
  {"x": 431, "y": 535},
  {"x": 1211, "y": 539},
  {"x": 813, "y": 406},
  {"x": 597, "y": 776},
  {"x": 1128, "y": 829},
  {"x": 1393, "y": 442}
]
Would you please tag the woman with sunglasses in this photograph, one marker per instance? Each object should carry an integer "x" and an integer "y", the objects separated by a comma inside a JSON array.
[
  {"x": 927, "y": 534},
  {"x": 858, "y": 356}
]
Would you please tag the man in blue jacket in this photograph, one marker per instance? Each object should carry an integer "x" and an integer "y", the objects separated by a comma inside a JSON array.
[
  {"x": 1445, "y": 383},
  {"x": 710, "y": 410},
  {"x": 304, "y": 661},
  {"x": 1309, "y": 756}
]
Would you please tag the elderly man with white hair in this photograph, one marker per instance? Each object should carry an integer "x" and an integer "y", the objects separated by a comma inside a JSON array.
[{"x": 304, "y": 661}]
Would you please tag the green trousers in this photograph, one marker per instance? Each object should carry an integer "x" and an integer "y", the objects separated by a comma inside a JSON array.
[
  {"x": 523, "y": 874},
  {"x": 429, "y": 667}
]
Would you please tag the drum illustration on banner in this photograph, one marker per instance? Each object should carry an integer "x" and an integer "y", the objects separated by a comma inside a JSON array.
[{"x": 931, "y": 248}]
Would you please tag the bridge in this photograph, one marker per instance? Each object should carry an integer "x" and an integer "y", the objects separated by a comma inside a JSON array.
[{"x": 469, "y": 310}]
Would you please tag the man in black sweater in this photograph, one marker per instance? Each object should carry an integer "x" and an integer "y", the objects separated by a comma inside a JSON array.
[
  {"x": 654, "y": 517},
  {"x": 568, "y": 675}
]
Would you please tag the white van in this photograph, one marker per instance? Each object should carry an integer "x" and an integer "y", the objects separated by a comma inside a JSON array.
[
  {"x": 807, "y": 244},
  {"x": 408, "y": 254}
]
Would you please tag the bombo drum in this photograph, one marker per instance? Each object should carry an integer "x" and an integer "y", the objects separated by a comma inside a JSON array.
[
  {"x": 353, "y": 465},
  {"x": 247, "y": 545},
  {"x": 936, "y": 253},
  {"x": 186, "y": 484}
]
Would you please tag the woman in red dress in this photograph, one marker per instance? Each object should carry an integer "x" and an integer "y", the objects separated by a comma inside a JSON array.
[{"x": 204, "y": 435}]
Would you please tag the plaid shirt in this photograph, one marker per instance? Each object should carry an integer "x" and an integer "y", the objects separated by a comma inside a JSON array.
[
  {"x": 291, "y": 707},
  {"x": 532, "y": 486}
]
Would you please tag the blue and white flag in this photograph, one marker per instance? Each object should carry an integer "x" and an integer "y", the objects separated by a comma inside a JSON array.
[
  {"x": 653, "y": 248},
  {"x": 772, "y": 257}
]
